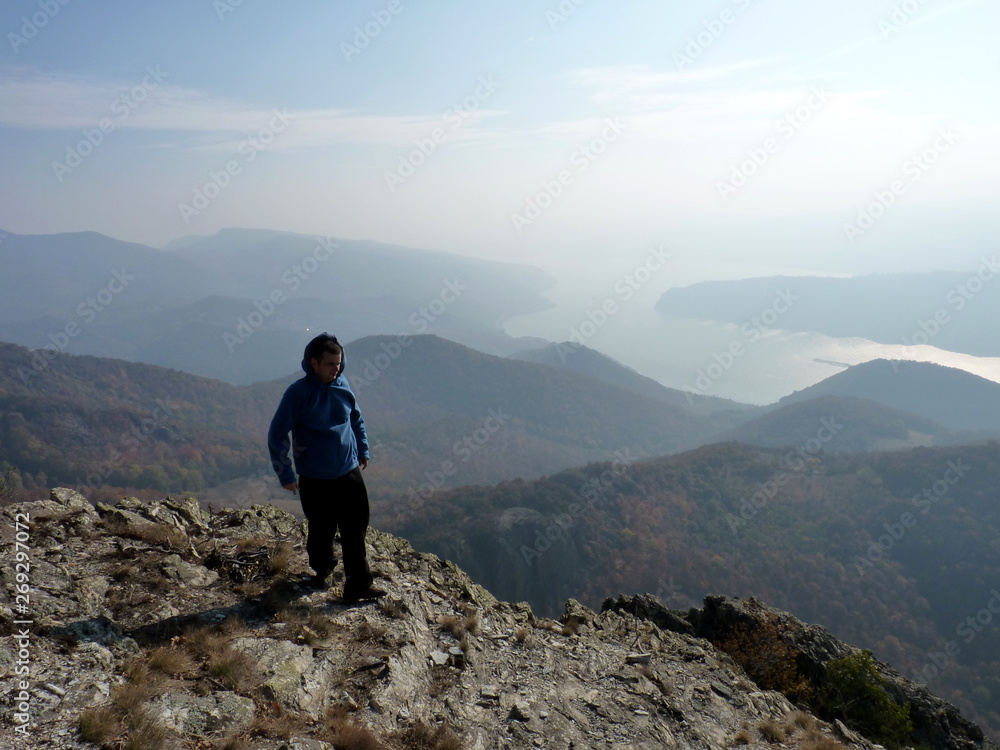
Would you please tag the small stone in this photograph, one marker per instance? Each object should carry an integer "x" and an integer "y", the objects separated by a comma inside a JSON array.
[
  {"x": 440, "y": 658},
  {"x": 348, "y": 701},
  {"x": 722, "y": 690},
  {"x": 638, "y": 658},
  {"x": 489, "y": 692},
  {"x": 641, "y": 712},
  {"x": 543, "y": 714},
  {"x": 404, "y": 714},
  {"x": 520, "y": 711},
  {"x": 55, "y": 689}
]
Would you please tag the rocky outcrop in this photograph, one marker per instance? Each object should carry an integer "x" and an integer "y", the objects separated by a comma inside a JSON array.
[
  {"x": 167, "y": 626},
  {"x": 936, "y": 722}
]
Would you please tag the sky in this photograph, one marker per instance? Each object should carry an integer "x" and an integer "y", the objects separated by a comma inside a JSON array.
[{"x": 850, "y": 137}]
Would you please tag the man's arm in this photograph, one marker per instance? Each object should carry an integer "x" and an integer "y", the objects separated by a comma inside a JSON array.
[
  {"x": 279, "y": 443},
  {"x": 360, "y": 434}
]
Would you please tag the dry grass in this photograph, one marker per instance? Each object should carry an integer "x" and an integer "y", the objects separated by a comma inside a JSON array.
[
  {"x": 125, "y": 721},
  {"x": 521, "y": 635},
  {"x": 470, "y": 624},
  {"x": 251, "y": 544},
  {"x": 233, "y": 742},
  {"x": 571, "y": 626},
  {"x": 162, "y": 534},
  {"x": 370, "y": 633},
  {"x": 742, "y": 738},
  {"x": 172, "y": 661},
  {"x": 451, "y": 623},
  {"x": 233, "y": 668},
  {"x": 771, "y": 732},
  {"x": 98, "y": 725},
  {"x": 143, "y": 732},
  {"x": 273, "y": 720},
  {"x": 129, "y": 697},
  {"x": 346, "y": 734},
  {"x": 420, "y": 736},
  {"x": 204, "y": 641},
  {"x": 393, "y": 608},
  {"x": 281, "y": 558}
]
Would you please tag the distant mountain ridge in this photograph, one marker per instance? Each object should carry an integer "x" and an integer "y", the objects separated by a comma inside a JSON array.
[
  {"x": 233, "y": 306},
  {"x": 951, "y": 397},
  {"x": 951, "y": 310}
]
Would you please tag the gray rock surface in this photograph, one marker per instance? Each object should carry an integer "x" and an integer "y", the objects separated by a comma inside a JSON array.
[{"x": 213, "y": 642}]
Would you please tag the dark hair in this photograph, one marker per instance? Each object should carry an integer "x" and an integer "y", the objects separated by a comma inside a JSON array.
[{"x": 323, "y": 346}]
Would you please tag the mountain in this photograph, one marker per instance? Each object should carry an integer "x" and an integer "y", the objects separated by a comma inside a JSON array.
[
  {"x": 236, "y": 305},
  {"x": 893, "y": 551},
  {"x": 586, "y": 361},
  {"x": 950, "y": 310},
  {"x": 161, "y": 625},
  {"x": 854, "y": 424},
  {"x": 951, "y": 397},
  {"x": 439, "y": 415}
]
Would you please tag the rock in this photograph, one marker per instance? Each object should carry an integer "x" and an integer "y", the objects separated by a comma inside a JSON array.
[
  {"x": 440, "y": 658},
  {"x": 119, "y": 516},
  {"x": 520, "y": 710},
  {"x": 290, "y": 674},
  {"x": 73, "y": 501},
  {"x": 638, "y": 658},
  {"x": 178, "y": 569},
  {"x": 305, "y": 743},
  {"x": 635, "y": 675},
  {"x": 198, "y": 716}
]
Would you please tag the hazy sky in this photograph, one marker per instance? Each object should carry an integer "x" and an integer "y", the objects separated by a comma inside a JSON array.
[{"x": 532, "y": 131}]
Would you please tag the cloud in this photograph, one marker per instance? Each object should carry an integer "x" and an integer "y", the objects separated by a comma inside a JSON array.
[{"x": 34, "y": 100}]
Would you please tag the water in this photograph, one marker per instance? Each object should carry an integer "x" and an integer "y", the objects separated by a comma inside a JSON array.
[{"x": 609, "y": 306}]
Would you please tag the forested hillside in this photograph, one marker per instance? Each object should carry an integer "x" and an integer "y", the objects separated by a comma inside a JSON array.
[{"x": 893, "y": 551}]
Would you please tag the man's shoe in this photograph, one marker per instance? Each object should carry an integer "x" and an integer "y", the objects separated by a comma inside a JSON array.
[{"x": 319, "y": 580}]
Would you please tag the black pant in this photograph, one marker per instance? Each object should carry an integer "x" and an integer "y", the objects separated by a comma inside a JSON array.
[{"x": 329, "y": 504}]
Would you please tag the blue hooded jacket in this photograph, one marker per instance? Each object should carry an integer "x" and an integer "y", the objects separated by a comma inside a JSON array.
[{"x": 328, "y": 431}]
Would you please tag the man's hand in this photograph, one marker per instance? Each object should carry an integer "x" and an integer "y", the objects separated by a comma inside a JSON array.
[
  {"x": 364, "y": 463},
  {"x": 293, "y": 487}
]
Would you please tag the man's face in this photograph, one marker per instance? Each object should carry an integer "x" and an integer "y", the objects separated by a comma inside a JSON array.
[{"x": 326, "y": 369}]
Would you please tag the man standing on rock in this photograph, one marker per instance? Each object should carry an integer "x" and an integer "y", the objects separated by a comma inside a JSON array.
[{"x": 330, "y": 446}]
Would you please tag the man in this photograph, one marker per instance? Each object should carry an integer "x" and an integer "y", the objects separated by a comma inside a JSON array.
[{"x": 330, "y": 447}]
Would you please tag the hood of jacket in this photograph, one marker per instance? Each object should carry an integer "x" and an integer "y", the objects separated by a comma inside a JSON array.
[{"x": 312, "y": 345}]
